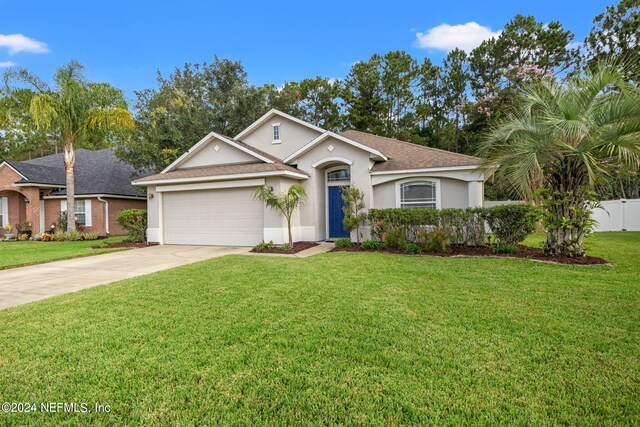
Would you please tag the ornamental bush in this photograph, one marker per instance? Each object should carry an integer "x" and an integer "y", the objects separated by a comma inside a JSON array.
[
  {"x": 511, "y": 224},
  {"x": 135, "y": 222},
  {"x": 398, "y": 226}
]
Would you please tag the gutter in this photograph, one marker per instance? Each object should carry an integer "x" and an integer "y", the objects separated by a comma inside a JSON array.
[{"x": 106, "y": 214}]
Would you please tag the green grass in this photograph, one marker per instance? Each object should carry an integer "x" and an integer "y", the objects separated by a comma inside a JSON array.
[
  {"x": 19, "y": 254},
  {"x": 339, "y": 338}
]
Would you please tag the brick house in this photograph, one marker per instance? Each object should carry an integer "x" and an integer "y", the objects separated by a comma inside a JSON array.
[{"x": 34, "y": 191}]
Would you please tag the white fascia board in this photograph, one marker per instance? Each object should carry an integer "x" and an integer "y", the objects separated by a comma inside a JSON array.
[
  {"x": 13, "y": 169},
  {"x": 35, "y": 184},
  {"x": 268, "y": 115},
  {"x": 256, "y": 182},
  {"x": 221, "y": 178},
  {"x": 440, "y": 169},
  {"x": 330, "y": 134},
  {"x": 193, "y": 150},
  {"x": 93, "y": 196}
]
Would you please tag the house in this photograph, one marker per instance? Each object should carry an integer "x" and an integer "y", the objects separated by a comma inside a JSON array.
[
  {"x": 206, "y": 197},
  {"x": 34, "y": 191}
]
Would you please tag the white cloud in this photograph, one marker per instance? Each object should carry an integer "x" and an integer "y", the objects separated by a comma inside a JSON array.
[
  {"x": 448, "y": 37},
  {"x": 7, "y": 64},
  {"x": 19, "y": 43}
]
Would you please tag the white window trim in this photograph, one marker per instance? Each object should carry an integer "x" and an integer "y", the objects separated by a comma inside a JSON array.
[
  {"x": 273, "y": 129},
  {"x": 4, "y": 206},
  {"x": 418, "y": 179},
  {"x": 87, "y": 210}
]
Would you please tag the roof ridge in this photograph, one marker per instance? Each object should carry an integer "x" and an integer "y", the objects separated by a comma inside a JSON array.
[{"x": 412, "y": 144}]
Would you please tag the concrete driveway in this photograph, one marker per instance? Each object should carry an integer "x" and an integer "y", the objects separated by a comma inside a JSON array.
[{"x": 27, "y": 284}]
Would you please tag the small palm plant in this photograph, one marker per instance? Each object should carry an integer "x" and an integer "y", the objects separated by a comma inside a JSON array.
[
  {"x": 286, "y": 203},
  {"x": 560, "y": 139}
]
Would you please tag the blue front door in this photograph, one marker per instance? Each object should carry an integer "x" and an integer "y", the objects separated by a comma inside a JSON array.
[{"x": 336, "y": 229}]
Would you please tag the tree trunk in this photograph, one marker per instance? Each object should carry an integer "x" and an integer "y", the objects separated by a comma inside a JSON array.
[
  {"x": 69, "y": 164},
  {"x": 290, "y": 234}
]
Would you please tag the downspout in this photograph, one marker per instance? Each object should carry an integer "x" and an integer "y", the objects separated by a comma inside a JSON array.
[{"x": 106, "y": 214}]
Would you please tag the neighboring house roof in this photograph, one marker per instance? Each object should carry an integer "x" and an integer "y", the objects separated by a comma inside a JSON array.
[
  {"x": 96, "y": 172},
  {"x": 276, "y": 167},
  {"x": 406, "y": 155}
]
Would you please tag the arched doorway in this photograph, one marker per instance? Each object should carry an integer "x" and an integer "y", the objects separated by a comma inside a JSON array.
[{"x": 336, "y": 178}]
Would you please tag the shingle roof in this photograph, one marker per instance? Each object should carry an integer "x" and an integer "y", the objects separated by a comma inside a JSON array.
[
  {"x": 229, "y": 169},
  {"x": 96, "y": 172},
  {"x": 405, "y": 155}
]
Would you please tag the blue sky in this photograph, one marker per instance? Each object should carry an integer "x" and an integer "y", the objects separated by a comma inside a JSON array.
[{"x": 125, "y": 42}]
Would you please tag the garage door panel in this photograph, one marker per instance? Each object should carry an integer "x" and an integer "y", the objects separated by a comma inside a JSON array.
[{"x": 213, "y": 217}]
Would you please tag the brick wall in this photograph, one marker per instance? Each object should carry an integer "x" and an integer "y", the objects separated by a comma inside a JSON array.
[
  {"x": 52, "y": 208},
  {"x": 19, "y": 210}
]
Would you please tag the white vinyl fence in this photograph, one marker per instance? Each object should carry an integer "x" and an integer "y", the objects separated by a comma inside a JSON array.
[
  {"x": 618, "y": 215},
  {"x": 615, "y": 215}
]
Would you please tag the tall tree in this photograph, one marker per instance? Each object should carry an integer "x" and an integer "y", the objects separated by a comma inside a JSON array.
[
  {"x": 561, "y": 138},
  {"x": 186, "y": 106},
  {"x": 75, "y": 109},
  {"x": 456, "y": 81},
  {"x": 429, "y": 104},
  {"x": 362, "y": 94},
  {"x": 616, "y": 34},
  {"x": 398, "y": 73}
]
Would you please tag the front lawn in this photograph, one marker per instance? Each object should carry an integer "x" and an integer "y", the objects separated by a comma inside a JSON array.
[
  {"x": 17, "y": 254},
  {"x": 339, "y": 338}
]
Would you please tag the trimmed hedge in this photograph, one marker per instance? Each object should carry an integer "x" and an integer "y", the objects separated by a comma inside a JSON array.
[{"x": 510, "y": 223}]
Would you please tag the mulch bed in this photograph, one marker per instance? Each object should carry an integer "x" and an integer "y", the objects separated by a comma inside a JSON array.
[
  {"x": 123, "y": 245},
  {"x": 524, "y": 252},
  {"x": 297, "y": 247}
]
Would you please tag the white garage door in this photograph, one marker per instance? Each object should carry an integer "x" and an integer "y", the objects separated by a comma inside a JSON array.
[{"x": 230, "y": 217}]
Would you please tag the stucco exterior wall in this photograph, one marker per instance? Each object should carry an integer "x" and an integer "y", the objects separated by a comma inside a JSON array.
[
  {"x": 292, "y": 136},
  {"x": 453, "y": 193},
  {"x": 313, "y": 215},
  {"x": 208, "y": 156}
]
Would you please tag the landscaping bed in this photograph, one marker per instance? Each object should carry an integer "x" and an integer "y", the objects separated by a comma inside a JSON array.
[
  {"x": 297, "y": 247},
  {"x": 524, "y": 252}
]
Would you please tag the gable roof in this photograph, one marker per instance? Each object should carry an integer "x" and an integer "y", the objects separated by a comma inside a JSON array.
[
  {"x": 273, "y": 112},
  {"x": 96, "y": 172},
  {"x": 404, "y": 155},
  {"x": 328, "y": 134},
  {"x": 260, "y": 155}
]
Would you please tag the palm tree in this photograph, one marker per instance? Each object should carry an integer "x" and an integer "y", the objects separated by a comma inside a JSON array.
[
  {"x": 75, "y": 111},
  {"x": 560, "y": 138},
  {"x": 285, "y": 203}
]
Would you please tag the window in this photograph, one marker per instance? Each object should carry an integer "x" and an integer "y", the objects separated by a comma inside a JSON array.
[
  {"x": 4, "y": 220},
  {"x": 339, "y": 175},
  {"x": 83, "y": 211},
  {"x": 418, "y": 194},
  {"x": 276, "y": 133}
]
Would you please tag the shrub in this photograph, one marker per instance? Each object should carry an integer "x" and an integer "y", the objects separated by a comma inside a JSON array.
[
  {"x": 89, "y": 236},
  {"x": 265, "y": 245},
  {"x": 46, "y": 237},
  {"x": 68, "y": 236},
  {"x": 355, "y": 215},
  {"x": 511, "y": 223},
  {"x": 395, "y": 238},
  {"x": 437, "y": 239},
  {"x": 502, "y": 248},
  {"x": 412, "y": 248},
  {"x": 345, "y": 242},
  {"x": 135, "y": 222},
  {"x": 371, "y": 245}
]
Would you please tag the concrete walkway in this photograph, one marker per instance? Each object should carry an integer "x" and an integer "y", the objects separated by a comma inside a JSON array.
[{"x": 27, "y": 284}]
